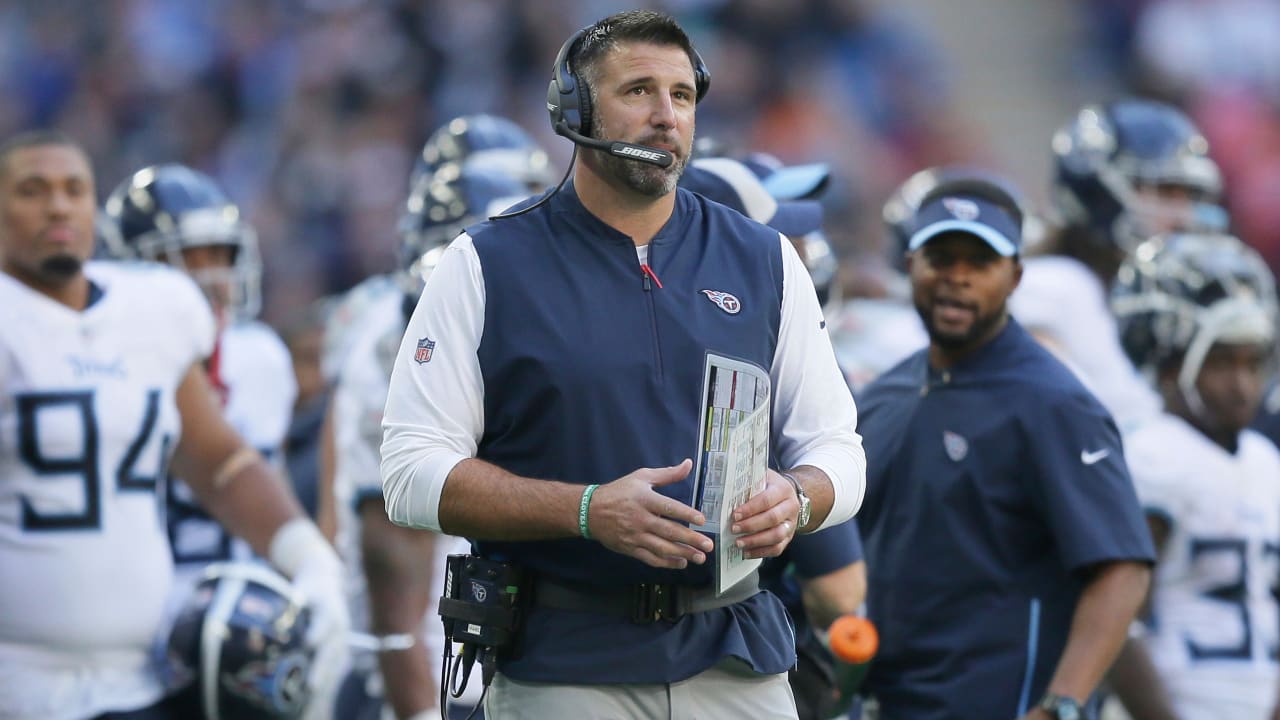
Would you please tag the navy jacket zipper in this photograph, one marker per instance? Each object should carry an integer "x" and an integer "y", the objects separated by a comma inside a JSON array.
[{"x": 649, "y": 279}]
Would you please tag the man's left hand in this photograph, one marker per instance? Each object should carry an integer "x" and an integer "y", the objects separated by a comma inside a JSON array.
[{"x": 767, "y": 521}]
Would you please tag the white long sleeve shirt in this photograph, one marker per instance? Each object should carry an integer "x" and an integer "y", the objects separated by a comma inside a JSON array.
[{"x": 434, "y": 419}]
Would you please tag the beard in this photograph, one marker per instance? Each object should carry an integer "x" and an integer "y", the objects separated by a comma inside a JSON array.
[
  {"x": 951, "y": 340},
  {"x": 59, "y": 268},
  {"x": 642, "y": 177}
]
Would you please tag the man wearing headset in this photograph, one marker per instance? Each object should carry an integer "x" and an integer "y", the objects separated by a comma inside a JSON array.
[{"x": 545, "y": 399}]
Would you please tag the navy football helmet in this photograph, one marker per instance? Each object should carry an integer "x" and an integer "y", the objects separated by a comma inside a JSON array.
[
  {"x": 238, "y": 645},
  {"x": 441, "y": 206},
  {"x": 1178, "y": 295},
  {"x": 488, "y": 140},
  {"x": 1108, "y": 155},
  {"x": 161, "y": 210}
]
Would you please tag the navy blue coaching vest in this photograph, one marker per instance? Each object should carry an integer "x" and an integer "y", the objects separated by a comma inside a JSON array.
[{"x": 591, "y": 372}]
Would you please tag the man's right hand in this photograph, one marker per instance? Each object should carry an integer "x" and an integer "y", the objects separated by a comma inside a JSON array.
[{"x": 628, "y": 516}]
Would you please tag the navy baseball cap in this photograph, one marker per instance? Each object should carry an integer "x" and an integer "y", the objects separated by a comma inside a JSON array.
[
  {"x": 732, "y": 183},
  {"x": 966, "y": 211}
]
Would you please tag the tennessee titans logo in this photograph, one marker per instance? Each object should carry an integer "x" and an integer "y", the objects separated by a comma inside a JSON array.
[
  {"x": 277, "y": 683},
  {"x": 724, "y": 301},
  {"x": 426, "y": 346},
  {"x": 955, "y": 445},
  {"x": 961, "y": 208},
  {"x": 478, "y": 591}
]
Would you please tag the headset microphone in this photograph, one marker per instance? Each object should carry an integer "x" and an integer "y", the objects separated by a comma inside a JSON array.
[
  {"x": 628, "y": 151},
  {"x": 641, "y": 153}
]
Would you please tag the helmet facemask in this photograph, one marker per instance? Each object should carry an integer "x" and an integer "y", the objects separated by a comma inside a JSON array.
[
  {"x": 1178, "y": 296},
  {"x": 235, "y": 290}
]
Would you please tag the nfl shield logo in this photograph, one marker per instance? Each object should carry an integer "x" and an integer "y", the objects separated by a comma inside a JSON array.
[
  {"x": 956, "y": 446},
  {"x": 425, "y": 347}
]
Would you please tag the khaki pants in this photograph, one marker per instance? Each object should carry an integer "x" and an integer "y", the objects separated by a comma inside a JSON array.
[{"x": 726, "y": 691}]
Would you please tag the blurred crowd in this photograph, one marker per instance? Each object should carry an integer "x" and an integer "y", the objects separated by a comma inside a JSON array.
[
  {"x": 1220, "y": 61},
  {"x": 310, "y": 112}
]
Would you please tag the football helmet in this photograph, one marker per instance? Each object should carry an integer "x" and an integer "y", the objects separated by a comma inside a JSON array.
[
  {"x": 824, "y": 269},
  {"x": 1177, "y": 295},
  {"x": 1108, "y": 154},
  {"x": 238, "y": 645},
  {"x": 488, "y": 140},
  {"x": 161, "y": 210},
  {"x": 440, "y": 207}
]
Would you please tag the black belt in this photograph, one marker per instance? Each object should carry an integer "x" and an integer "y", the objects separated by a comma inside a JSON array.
[{"x": 643, "y": 603}]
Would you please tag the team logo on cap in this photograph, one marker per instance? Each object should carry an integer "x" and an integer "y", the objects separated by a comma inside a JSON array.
[
  {"x": 956, "y": 446},
  {"x": 962, "y": 209},
  {"x": 724, "y": 301},
  {"x": 426, "y": 347}
]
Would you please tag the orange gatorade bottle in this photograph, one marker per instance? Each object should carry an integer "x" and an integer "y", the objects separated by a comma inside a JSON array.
[{"x": 853, "y": 641}]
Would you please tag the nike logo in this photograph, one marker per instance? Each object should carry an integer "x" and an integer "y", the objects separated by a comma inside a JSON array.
[{"x": 1089, "y": 458}]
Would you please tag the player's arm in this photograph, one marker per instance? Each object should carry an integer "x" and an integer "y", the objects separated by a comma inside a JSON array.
[
  {"x": 834, "y": 594},
  {"x": 829, "y": 568},
  {"x": 237, "y": 486},
  {"x": 431, "y": 428},
  {"x": 326, "y": 509},
  {"x": 232, "y": 480},
  {"x": 398, "y": 569},
  {"x": 1086, "y": 498},
  {"x": 1108, "y": 604},
  {"x": 1133, "y": 678}
]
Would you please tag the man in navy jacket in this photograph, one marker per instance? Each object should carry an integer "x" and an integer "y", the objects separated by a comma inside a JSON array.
[
  {"x": 545, "y": 404},
  {"x": 1006, "y": 550}
]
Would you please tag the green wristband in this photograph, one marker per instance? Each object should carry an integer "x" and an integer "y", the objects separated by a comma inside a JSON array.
[{"x": 583, "y": 508}]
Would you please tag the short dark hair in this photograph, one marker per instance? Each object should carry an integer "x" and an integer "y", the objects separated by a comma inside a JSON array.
[
  {"x": 36, "y": 138},
  {"x": 628, "y": 26}
]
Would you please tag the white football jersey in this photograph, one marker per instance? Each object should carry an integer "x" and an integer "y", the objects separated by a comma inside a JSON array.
[
  {"x": 358, "y": 401},
  {"x": 1214, "y": 633},
  {"x": 257, "y": 372},
  {"x": 872, "y": 335},
  {"x": 87, "y": 422},
  {"x": 342, "y": 326},
  {"x": 1060, "y": 297}
]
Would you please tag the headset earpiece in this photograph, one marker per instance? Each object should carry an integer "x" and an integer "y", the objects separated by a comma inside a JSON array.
[
  {"x": 566, "y": 90},
  {"x": 701, "y": 77}
]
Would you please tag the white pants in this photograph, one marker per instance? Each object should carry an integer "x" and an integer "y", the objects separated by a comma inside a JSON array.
[{"x": 726, "y": 691}]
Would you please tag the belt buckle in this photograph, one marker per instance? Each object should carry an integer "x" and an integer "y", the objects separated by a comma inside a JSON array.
[{"x": 653, "y": 602}]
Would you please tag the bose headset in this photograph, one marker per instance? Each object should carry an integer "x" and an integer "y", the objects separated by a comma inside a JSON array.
[{"x": 569, "y": 104}]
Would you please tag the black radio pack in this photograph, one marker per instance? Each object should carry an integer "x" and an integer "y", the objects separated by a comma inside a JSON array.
[{"x": 480, "y": 608}]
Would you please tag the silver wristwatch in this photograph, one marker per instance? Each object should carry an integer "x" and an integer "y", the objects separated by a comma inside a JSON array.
[{"x": 806, "y": 507}]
